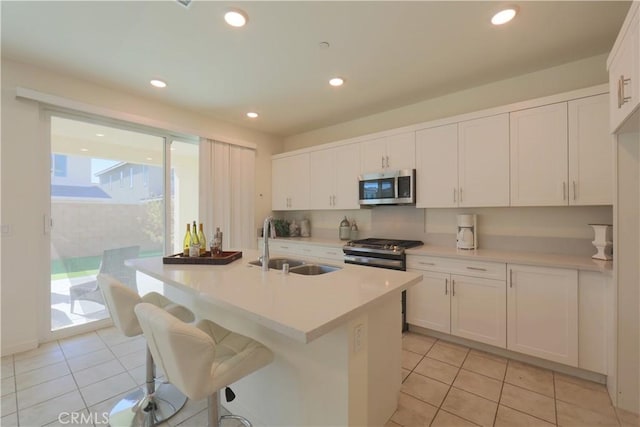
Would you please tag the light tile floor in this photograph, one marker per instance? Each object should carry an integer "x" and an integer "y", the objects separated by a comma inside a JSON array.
[
  {"x": 445, "y": 384},
  {"x": 80, "y": 379}
]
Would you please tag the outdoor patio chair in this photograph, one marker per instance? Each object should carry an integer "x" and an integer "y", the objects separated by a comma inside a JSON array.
[{"x": 112, "y": 263}]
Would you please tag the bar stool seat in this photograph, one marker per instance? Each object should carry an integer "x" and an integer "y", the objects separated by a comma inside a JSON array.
[
  {"x": 201, "y": 359},
  {"x": 149, "y": 406}
]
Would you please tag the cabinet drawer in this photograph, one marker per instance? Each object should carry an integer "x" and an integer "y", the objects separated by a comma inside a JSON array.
[{"x": 488, "y": 270}]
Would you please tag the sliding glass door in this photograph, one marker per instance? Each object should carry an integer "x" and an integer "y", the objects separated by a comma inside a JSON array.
[{"x": 109, "y": 204}]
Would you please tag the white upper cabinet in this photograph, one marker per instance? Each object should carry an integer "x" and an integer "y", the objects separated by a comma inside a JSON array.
[
  {"x": 290, "y": 186},
  {"x": 539, "y": 156},
  {"x": 389, "y": 153},
  {"x": 437, "y": 167},
  {"x": 464, "y": 164},
  {"x": 333, "y": 179},
  {"x": 624, "y": 75},
  {"x": 590, "y": 152},
  {"x": 483, "y": 162}
]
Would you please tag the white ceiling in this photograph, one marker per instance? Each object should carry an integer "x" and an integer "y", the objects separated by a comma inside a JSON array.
[{"x": 390, "y": 53}]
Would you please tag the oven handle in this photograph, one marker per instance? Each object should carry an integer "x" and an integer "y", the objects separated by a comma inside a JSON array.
[{"x": 373, "y": 262}]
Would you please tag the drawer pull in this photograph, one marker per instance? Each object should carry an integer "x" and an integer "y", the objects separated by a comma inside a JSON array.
[
  {"x": 476, "y": 268},
  {"x": 426, "y": 263},
  {"x": 446, "y": 286},
  {"x": 332, "y": 253},
  {"x": 306, "y": 250}
]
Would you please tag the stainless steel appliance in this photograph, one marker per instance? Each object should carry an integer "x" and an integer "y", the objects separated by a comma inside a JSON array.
[
  {"x": 381, "y": 253},
  {"x": 388, "y": 188}
]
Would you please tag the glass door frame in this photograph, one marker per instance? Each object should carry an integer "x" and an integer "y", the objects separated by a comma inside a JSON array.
[{"x": 44, "y": 296}]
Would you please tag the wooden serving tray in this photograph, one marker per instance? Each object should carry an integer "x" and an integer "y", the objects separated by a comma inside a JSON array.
[{"x": 207, "y": 259}]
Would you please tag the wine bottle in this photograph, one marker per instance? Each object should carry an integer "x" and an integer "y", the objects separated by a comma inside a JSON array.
[
  {"x": 203, "y": 240},
  {"x": 195, "y": 242},
  {"x": 186, "y": 244}
]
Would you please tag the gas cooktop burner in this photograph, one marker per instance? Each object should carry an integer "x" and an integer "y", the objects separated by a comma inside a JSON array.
[{"x": 389, "y": 244}]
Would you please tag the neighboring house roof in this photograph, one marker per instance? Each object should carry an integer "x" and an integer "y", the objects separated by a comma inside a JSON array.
[
  {"x": 92, "y": 192},
  {"x": 109, "y": 169}
]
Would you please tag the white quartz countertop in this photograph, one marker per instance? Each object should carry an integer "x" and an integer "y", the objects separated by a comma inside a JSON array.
[
  {"x": 300, "y": 307},
  {"x": 516, "y": 257}
]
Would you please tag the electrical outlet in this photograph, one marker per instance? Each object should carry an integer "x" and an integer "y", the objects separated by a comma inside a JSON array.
[{"x": 358, "y": 338}]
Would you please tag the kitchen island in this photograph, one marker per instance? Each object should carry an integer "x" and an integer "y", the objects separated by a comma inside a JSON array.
[{"x": 336, "y": 336}]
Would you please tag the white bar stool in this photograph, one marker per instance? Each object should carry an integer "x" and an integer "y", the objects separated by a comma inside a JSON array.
[
  {"x": 203, "y": 359},
  {"x": 149, "y": 406}
]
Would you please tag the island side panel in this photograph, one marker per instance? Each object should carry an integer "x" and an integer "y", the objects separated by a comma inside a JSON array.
[
  {"x": 384, "y": 348},
  {"x": 305, "y": 385}
]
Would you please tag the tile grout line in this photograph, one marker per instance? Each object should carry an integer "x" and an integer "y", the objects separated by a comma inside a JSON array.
[
  {"x": 495, "y": 417},
  {"x": 66, "y": 361}
]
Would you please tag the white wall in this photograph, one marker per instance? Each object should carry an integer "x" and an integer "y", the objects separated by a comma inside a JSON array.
[
  {"x": 574, "y": 75},
  {"x": 25, "y": 171}
]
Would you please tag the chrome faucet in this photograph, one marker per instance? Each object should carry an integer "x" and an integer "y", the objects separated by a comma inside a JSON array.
[{"x": 266, "y": 230}]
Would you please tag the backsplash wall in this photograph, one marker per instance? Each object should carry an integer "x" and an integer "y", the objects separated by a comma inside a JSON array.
[{"x": 563, "y": 230}]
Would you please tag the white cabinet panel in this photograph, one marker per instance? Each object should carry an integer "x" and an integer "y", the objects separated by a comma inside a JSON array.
[
  {"x": 321, "y": 184},
  {"x": 389, "y": 153},
  {"x": 437, "y": 167},
  {"x": 333, "y": 181},
  {"x": 595, "y": 329},
  {"x": 539, "y": 156},
  {"x": 478, "y": 309},
  {"x": 590, "y": 152},
  {"x": 290, "y": 182},
  {"x": 428, "y": 303},
  {"x": 624, "y": 78},
  {"x": 464, "y": 164},
  {"x": 483, "y": 161},
  {"x": 542, "y": 312},
  {"x": 346, "y": 170},
  {"x": 374, "y": 154}
]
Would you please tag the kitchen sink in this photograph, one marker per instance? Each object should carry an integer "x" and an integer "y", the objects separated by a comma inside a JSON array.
[
  {"x": 313, "y": 269},
  {"x": 276, "y": 263}
]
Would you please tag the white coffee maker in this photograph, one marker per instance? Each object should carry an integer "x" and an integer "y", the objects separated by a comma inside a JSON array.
[{"x": 467, "y": 232}]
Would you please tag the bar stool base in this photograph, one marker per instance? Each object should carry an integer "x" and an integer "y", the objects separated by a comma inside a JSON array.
[{"x": 137, "y": 409}]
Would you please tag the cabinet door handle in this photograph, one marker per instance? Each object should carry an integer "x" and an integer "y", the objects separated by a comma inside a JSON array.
[
  {"x": 622, "y": 82},
  {"x": 382, "y": 162},
  {"x": 460, "y": 194},
  {"x": 574, "y": 191},
  {"x": 454, "y": 195},
  {"x": 453, "y": 288},
  {"x": 564, "y": 190},
  {"x": 476, "y": 268},
  {"x": 510, "y": 278},
  {"x": 387, "y": 161},
  {"x": 446, "y": 286},
  {"x": 334, "y": 200}
]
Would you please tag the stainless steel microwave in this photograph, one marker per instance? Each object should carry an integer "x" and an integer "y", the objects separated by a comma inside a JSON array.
[{"x": 388, "y": 188}]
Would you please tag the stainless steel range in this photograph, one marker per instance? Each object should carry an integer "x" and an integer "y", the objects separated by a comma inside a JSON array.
[{"x": 381, "y": 253}]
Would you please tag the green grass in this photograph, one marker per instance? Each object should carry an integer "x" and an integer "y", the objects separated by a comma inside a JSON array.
[{"x": 83, "y": 266}]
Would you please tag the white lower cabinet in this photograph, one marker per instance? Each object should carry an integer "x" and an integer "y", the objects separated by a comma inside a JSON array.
[
  {"x": 478, "y": 310},
  {"x": 466, "y": 306},
  {"x": 428, "y": 302},
  {"x": 596, "y": 320},
  {"x": 542, "y": 312}
]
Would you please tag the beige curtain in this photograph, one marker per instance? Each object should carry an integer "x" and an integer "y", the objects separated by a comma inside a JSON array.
[{"x": 227, "y": 192}]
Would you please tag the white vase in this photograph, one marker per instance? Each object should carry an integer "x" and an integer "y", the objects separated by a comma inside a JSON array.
[{"x": 602, "y": 241}]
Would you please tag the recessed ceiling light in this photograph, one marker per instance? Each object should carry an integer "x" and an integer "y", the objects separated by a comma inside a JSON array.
[
  {"x": 236, "y": 18},
  {"x": 84, "y": 149},
  {"x": 149, "y": 158},
  {"x": 336, "y": 81},
  {"x": 252, "y": 115},
  {"x": 158, "y": 83},
  {"x": 504, "y": 16},
  {"x": 99, "y": 134}
]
